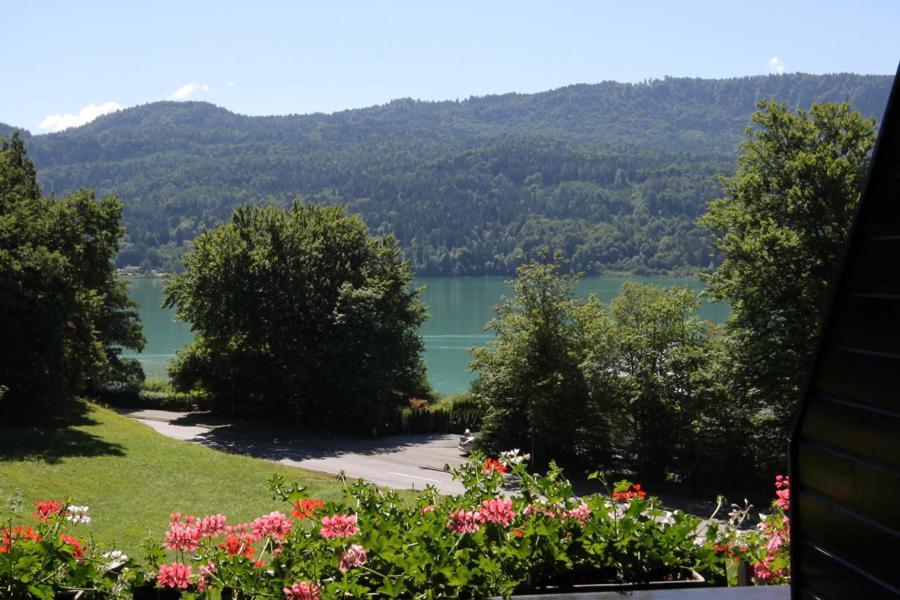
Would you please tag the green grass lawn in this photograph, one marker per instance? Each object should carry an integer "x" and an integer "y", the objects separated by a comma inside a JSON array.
[{"x": 132, "y": 477}]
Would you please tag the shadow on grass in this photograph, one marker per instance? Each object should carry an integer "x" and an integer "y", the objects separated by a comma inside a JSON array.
[{"x": 53, "y": 436}]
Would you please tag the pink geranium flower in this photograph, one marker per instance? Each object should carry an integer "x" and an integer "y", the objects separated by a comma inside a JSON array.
[
  {"x": 174, "y": 575},
  {"x": 302, "y": 591},
  {"x": 355, "y": 556},
  {"x": 275, "y": 524},
  {"x": 580, "y": 514},
  {"x": 212, "y": 525},
  {"x": 462, "y": 521},
  {"x": 497, "y": 510},
  {"x": 183, "y": 537},
  {"x": 342, "y": 526}
]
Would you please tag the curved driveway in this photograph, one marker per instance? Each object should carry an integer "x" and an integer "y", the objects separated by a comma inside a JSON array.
[{"x": 401, "y": 462}]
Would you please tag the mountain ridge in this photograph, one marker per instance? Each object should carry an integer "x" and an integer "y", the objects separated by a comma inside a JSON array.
[{"x": 613, "y": 174}]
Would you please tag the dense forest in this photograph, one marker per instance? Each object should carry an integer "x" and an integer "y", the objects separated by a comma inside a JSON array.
[{"x": 614, "y": 175}]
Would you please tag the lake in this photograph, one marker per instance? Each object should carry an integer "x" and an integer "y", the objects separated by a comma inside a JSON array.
[{"x": 459, "y": 308}]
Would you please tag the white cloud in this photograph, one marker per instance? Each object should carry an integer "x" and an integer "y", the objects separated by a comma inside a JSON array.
[
  {"x": 231, "y": 84},
  {"x": 188, "y": 89},
  {"x": 57, "y": 122},
  {"x": 776, "y": 66}
]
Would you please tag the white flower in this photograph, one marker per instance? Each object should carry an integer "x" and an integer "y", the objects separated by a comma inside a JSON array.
[
  {"x": 667, "y": 518},
  {"x": 77, "y": 514},
  {"x": 512, "y": 457},
  {"x": 114, "y": 559}
]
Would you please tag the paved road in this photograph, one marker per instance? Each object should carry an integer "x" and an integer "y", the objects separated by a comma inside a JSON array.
[{"x": 402, "y": 462}]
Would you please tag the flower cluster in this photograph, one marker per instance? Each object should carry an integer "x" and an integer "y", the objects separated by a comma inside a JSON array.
[
  {"x": 274, "y": 524},
  {"x": 355, "y": 556},
  {"x": 492, "y": 465},
  {"x": 511, "y": 458},
  {"x": 776, "y": 532},
  {"x": 75, "y": 543},
  {"x": 183, "y": 535},
  {"x": 497, "y": 511},
  {"x": 16, "y": 533},
  {"x": 114, "y": 559},
  {"x": 77, "y": 514},
  {"x": 629, "y": 493},
  {"x": 465, "y": 521},
  {"x": 302, "y": 591},
  {"x": 47, "y": 509},
  {"x": 239, "y": 544},
  {"x": 212, "y": 525},
  {"x": 307, "y": 507},
  {"x": 175, "y": 575},
  {"x": 339, "y": 526},
  {"x": 783, "y": 492},
  {"x": 581, "y": 514}
]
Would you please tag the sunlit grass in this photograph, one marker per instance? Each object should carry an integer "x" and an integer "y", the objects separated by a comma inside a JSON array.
[{"x": 133, "y": 478}]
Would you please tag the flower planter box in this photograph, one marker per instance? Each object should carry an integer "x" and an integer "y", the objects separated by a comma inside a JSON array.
[{"x": 582, "y": 585}]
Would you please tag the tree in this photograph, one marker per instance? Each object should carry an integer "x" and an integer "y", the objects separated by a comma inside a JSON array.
[
  {"x": 664, "y": 356},
  {"x": 529, "y": 382},
  {"x": 64, "y": 317},
  {"x": 781, "y": 228},
  {"x": 299, "y": 314}
]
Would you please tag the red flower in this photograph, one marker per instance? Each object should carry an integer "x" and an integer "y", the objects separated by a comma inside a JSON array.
[
  {"x": 47, "y": 509},
  {"x": 492, "y": 465},
  {"x": 722, "y": 549},
  {"x": 633, "y": 491},
  {"x": 307, "y": 507},
  {"x": 17, "y": 533},
  {"x": 238, "y": 544},
  {"x": 77, "y": 548},
  {"x": 518, "y": 532}
]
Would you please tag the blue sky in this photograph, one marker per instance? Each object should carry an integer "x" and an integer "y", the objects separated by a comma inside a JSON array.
[{"x": 64, "y": 62}]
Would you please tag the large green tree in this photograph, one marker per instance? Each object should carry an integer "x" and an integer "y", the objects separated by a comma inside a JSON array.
[
  {"x": 530, "y": 383},
  {"x": 299, "y": 313},
  {"x": 631, "y": 386},
  {"x": 781, "y": 228},
  {"x": 64, "y": 317}
]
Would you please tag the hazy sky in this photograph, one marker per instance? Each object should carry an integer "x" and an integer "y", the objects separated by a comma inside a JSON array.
[{"x": 64, "y": 62}]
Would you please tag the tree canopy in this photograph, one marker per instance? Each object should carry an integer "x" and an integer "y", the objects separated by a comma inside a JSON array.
[
  {"x": 629, "y": 386},
  {"x": 299, "y": 313},
  {"x": 64, "y": 317},
  {"x": 781, "y": 228}
]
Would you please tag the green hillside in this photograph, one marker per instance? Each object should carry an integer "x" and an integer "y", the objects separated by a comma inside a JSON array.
[{"x": 612, "y": 174}]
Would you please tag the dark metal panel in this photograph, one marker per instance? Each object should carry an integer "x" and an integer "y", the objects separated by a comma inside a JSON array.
[
  {"x": 845, "y": 446},
  {"x": 851, "y": 536},
  {"x": 868, "y": 322},
  {"x": 853, "y": 484},
  {"x": 822, "y": 574},
  {"x": 865, "y": 378},
  {"x": 858, "y": 429},
  {"x": 874, "y": 266}
]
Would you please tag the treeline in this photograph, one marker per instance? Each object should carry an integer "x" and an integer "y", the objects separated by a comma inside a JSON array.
[
  {"x": 642, "y": 385},
  {"x": 612, "y": 174}
]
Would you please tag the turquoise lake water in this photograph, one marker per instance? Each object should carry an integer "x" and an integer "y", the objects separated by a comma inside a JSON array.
[{"x": 459, "y": 308}]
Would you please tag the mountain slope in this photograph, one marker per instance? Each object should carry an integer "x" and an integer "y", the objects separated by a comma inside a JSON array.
[{"x": 613, "y": 174}]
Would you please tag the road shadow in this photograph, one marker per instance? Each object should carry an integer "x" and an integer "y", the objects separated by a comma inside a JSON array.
[
  {"x": 276, "y": 442},
  {"x": 56, "y": 439}
]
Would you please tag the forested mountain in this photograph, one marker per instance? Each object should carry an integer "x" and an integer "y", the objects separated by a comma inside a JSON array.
[{"x": 612, "y": 174}]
